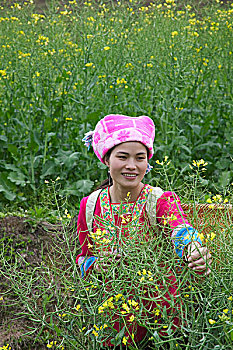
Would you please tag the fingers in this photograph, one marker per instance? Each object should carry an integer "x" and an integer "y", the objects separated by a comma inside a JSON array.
[
  {"x": 197, "y": 252},
  {"x": 199, "y": 260},
  {"x": 106, "y": 260}
]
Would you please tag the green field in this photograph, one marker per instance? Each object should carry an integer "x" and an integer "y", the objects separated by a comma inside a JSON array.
[
  {"x": 63, "y": 70},
  {"x": 60, "y": 72}
]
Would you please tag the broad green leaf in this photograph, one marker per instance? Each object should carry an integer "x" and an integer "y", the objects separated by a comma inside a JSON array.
[
  {"x": 225, "y": 178},
  {"x": 80, "y": 187},
  {"x": 18, "y": 178},
  {"x": 8, "y": 194},
  {"x": 12, "y": 149}
]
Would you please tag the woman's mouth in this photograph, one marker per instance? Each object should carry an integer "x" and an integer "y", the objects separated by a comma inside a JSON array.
[{"x": 130, "y": 176}]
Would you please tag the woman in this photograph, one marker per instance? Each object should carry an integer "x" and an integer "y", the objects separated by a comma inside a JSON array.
[{"x": 125, "y": 144}]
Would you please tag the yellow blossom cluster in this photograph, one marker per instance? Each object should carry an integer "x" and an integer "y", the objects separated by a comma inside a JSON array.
[
  {"x": 5, "y": 347},
  {"x": 207, "y": 237},
  {"x": 199, "y": 164},
  {"x": 145, "y": 275},
  {"x": 97, "y": 329},
  {"x": 164, "y": 162},
  {"x": 169, "y": 219},
  {"x": 42, "y": 40},
  {"x": 216, "y": 199},
  {"x": 50, "y": 344},
  {"x": 119, "y": 304},
  {"x": 99, "y": 237}
]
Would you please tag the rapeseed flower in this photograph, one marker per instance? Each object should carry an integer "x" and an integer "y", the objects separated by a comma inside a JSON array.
[
  {"x": 212, "y": 321},
  {"x": 124, "y": 341}
]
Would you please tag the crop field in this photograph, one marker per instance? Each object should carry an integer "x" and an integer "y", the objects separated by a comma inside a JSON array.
[{"x": 63, "y": 68}]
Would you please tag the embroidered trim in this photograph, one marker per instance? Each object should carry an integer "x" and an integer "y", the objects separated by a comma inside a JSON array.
[{"x": 133, "y": 209}]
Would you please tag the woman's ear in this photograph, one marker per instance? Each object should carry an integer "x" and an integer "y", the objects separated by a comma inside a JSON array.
[{"x": 106, "y": 161}]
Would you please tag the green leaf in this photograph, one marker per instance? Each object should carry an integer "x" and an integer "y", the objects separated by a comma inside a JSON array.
[
  {"x": 3, "y": 138},
  {"x": 12, "y": 149},
  {"x": 225, "y": 178},
  {"x": 18, "y": 178},
  {"x": 231, "y": 334},
  {"x": 80, "y": 187},
  {"x": 7, "y": 187},
  {"x": 48, "y": 124},
  {"x": 34, "y": 143},
  {"x": 57, "y": 330},
  {"x": 118, "y": 338},
  {"x": 8, "y": 194}
]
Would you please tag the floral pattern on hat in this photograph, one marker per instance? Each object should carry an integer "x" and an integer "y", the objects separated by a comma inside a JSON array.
[{"x": 115, "y": 129}]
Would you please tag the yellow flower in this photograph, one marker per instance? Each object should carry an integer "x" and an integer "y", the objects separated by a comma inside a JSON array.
[
  {"x": 209, "y": 200},
  {"x": 174, "y": 33},
  {"x": 156, "y": 312},
  {"x": 211, "y": 235},
  {"x": 95, "y": 333},
  {"x": 131, "y": 319},
  {"x": 118, "y": 296},
  {"x": 78, "y": 307},
  {"x": 212, "y": 321},
  {"x": 90, "y": 64},
  {"x": 100, "y": 309},
  {"x": 230, "y": 298},
  {"x": 106, "y": 48},
  {"x": 124, "y": 341},
  {"x": 201, "y": 235}
]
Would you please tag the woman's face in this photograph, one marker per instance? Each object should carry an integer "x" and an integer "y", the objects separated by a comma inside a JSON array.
[{"x": 127, "y": 164}]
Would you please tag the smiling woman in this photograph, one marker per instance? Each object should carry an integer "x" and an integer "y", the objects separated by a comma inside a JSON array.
[{"x": 109, "y": 216}]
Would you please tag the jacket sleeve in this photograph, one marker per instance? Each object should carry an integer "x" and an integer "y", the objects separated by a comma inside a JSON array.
[
  {"x": 85, "y": 259},
  {"x": 170, "y": 214}
]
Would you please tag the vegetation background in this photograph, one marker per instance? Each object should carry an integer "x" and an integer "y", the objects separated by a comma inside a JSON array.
[{"x": 63, "y": 69}]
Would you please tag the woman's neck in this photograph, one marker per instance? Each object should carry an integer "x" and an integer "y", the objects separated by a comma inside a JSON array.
[{"x": 119, "y": 194}]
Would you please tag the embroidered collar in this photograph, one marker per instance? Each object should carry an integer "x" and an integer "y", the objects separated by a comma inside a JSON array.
[{"x": 137, "y": 208}]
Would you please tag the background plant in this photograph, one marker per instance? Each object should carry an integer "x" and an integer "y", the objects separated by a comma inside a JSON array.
[{"x": 62, "y": 70}]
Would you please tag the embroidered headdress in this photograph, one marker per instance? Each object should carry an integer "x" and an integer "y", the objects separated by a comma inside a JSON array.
[{"x": 114, "y": 129}]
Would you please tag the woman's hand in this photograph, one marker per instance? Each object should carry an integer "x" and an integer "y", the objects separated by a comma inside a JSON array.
[
  {"x": 199, "y": 258},
  {"x": 105, "y": 261}
]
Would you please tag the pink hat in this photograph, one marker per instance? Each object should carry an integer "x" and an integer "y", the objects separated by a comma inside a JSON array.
[{"x": 115, "y": 129}]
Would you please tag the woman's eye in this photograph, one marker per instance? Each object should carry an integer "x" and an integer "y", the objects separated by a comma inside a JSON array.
[
  {"x": 141, "y": 158},
  {"x": 122, "y": 157}
]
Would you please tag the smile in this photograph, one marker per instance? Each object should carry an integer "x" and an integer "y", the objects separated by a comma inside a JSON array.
[{"x": 129, "y": 175}]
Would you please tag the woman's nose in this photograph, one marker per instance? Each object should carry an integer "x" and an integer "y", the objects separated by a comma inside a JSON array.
[{"x": 131, "y": 164}]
